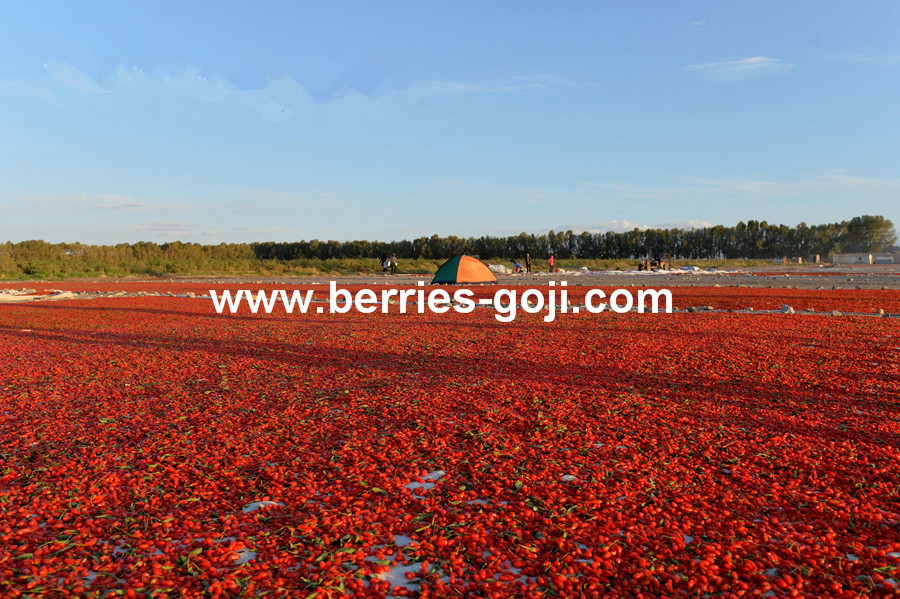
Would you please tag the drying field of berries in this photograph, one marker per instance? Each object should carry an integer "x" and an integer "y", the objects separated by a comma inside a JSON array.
[{"x": 151, "y": 447}]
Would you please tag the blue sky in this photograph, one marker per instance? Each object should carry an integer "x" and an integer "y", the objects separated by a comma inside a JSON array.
[{"x": 221, "y": 121}]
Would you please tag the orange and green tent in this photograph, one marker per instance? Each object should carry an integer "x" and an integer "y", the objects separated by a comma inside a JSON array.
[{"x": 463, "y": 269}]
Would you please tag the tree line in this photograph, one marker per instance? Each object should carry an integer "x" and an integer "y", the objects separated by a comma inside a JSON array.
[{"x": 750, "y": 240}]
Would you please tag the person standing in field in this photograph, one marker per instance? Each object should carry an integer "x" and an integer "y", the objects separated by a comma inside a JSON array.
[
  {"x": 550, "y": 261},
  {"x": 384, "y": 264},
  {"x": 393, "y": 264},
  {"x": 527, "y": 263}
]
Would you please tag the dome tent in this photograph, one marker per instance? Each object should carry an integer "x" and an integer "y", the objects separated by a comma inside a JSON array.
[{"x": 463, "y": 269}]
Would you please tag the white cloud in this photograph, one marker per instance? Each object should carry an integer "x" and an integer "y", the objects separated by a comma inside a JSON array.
[
  {"x": 747, "y": 186},
  {"x": 271, "y": 103},
  {"x": 445, "y": 182},
  {"x": 283, "y": 231},
  {"x": 861, "y": 183},
  {"x": 742, "y": 67},
  {"x": 619, "y": 189},
  {"x": 262, "y": 200},
  {"x": 79, "y": 201},
  {"x": 69, "y": 75},
  {"x": 830, "y": 181},
  {"x": 175, "y": 230},
  {"x": 117, "y": 203},
  {"x": 833, "y": 183},
  {"x": 884, "y": 60},
  {"x": 281, "y": 99},
  {"x": 460, "y": 88},
  {"x": 28, "y": 88},
  {"x": 617, "y": 226}
]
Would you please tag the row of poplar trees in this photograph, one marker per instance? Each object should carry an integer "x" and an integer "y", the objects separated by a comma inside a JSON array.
[{"x": 752, "y": 239}]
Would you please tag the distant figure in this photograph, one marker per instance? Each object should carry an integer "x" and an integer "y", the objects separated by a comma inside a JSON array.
[
  {"x": 550, "y": 261},
  {"x": 385, "y": 265},
  {"x": 516, "y": 266},
  {"x": 528, "y": 263},
  {"x": 393, "y": 264}
]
